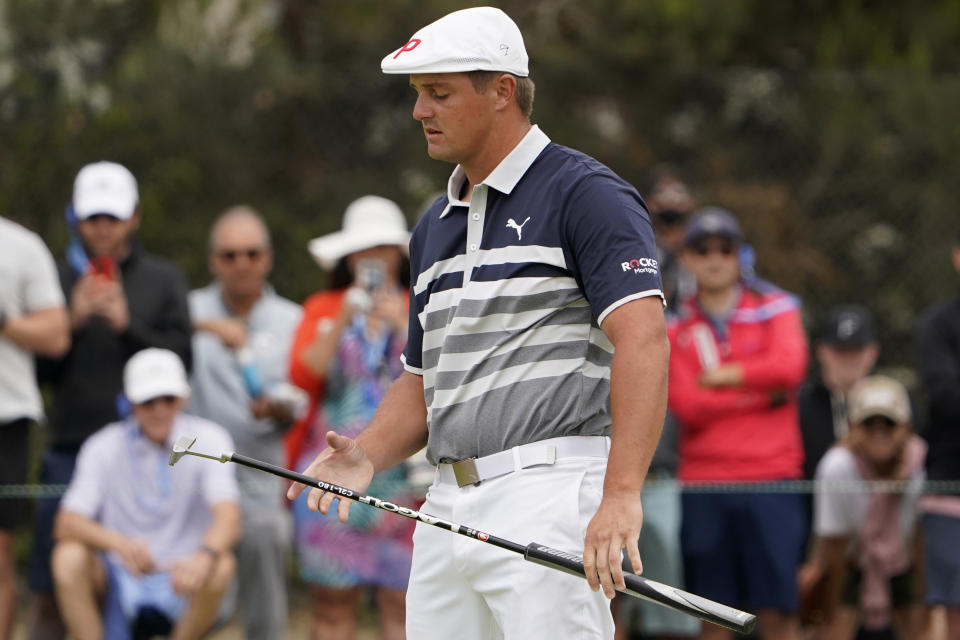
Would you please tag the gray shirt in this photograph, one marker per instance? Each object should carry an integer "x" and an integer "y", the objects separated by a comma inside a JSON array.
[{"x": 219, "y": 392}]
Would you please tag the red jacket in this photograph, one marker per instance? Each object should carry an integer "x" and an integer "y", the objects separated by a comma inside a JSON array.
[{"x": 746, "y": 433}]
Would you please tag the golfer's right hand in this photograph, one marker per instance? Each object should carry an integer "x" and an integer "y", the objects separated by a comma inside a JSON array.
[{"x": 343, "y": 463}]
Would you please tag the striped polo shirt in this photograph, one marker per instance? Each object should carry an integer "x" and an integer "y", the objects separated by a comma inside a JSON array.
[{"x": 508, "y": 293}]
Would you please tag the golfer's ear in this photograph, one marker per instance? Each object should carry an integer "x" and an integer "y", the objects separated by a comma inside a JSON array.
[{"x": 506, "y": 88}]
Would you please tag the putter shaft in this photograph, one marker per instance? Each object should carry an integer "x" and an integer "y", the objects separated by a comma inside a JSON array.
[{"x": 676, "y": 599}]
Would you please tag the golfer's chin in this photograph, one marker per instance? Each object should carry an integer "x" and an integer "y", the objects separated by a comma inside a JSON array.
[{"x": 439, "y": 152}]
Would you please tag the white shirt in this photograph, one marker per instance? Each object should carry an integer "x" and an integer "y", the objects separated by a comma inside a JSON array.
[
  {"x": 28, "y": 283},
  {"x": 840, "y": 504}
]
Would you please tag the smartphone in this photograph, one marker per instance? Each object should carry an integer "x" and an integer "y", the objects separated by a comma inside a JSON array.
[
  {"x": 371, "y": 275},
  {"x": 104, "y": 266}
]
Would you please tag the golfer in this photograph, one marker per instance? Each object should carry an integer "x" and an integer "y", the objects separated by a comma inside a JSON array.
[{"x": 536, "y": 360}]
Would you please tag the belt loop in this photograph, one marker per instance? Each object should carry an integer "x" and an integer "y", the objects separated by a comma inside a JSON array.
[{"x": 517, "y": 462}]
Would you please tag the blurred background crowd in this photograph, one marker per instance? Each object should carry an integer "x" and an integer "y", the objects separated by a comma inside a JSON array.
[{"x": 827, "y": 130}]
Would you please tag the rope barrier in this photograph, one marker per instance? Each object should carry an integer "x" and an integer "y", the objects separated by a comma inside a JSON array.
[{"x": 937, "y": 487}]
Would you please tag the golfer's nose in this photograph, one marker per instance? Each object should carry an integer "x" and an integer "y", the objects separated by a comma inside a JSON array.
[{"x": 421, "y": 108}]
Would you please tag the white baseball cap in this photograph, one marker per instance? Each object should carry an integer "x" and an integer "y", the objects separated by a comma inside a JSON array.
[
  {"x": 477, "y": 39},
  {"x": 370, "y": 221},
  {"x": 107, "y": 188},
  {"x": 153, "y": 373}
]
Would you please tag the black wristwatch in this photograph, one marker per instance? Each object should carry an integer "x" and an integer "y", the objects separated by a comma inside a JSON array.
[
  {"x": 3, "y": 320},
  {"x": 213, "y": 552}
]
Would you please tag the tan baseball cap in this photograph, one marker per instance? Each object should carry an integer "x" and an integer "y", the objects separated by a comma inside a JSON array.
[
  {"x": 475, "y": 39},
  {"x": 878, "y": 396}
]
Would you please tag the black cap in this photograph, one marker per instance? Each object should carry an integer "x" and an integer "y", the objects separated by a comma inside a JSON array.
[
  {"x": 848, "y": 325},
  {"x": 711, "y": 221}
]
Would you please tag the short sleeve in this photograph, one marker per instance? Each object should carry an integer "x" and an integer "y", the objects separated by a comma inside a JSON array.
[
  {"x": 412, "y": 355},
  {"x": 834, "y": 513},
  {"x": 610, "y": 239},
  {"x": 85, "y": 493},
  {"x": 42, "y": 290}
]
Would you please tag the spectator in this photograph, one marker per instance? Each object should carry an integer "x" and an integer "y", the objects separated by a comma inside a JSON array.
[
  {"x": 120, "y": 300},
  {"x": 346, "y": 354},
  {"x": 938, "y": 361},
  {"x": 738, "y": 356},
  {"x": 33, "y": 320},
  {"x": 847, "y": 350},
  {"x": 670, "y": 204},
  {"x": 243, "y": 327},
  {"x": 132, "y": 530},
  {"x": 862, "y": 564}
]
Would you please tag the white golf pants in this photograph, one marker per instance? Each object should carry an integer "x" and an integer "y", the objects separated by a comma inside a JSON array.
[{"x": 470, "y": 590}]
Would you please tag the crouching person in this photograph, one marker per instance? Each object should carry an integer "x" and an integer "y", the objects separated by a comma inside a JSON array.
[
  {"x": 863, "y": 570},
  {"x": 152, "y": 543}
]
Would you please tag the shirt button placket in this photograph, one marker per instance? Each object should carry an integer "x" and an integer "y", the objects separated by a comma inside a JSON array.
[{"x": 475, "y": 216}]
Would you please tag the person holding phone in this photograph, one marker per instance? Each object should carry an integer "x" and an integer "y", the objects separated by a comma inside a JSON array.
[
  {"x": 120, "y": 300},
  {"x": 346, "y": 353}
]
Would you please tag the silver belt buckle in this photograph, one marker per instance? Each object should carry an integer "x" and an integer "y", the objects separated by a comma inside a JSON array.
[{"x": 465, "y": 471}]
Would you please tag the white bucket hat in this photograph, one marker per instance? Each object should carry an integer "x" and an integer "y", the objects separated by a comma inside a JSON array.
[
  {"x": 105, "y": 188},
  {"x": 477, "y": 39},
  {"x": 370, "y": 221},
  {"x": 153, "y": 373}
]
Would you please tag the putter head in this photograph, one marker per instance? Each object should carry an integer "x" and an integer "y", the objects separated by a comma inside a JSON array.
[{"x": 181, "y": 447}]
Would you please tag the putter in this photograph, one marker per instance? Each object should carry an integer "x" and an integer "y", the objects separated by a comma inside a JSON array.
[{"x": 677, "y": 599}]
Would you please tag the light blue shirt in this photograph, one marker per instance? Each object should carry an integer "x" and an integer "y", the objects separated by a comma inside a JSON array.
[
  {"x": 124, "y": 482},
  {"x": 219, "y": 393}
]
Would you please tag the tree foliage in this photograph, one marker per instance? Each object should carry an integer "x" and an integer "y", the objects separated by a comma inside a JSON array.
[{"x": 828, "y": 127}]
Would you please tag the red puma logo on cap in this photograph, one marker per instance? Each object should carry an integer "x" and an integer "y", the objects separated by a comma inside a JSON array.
[{"x": 410, "y": 46}]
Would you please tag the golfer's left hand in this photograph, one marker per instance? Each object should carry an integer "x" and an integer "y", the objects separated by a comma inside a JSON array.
[
  {"x": 189, "y": 574},
  {"x": 615, "y": 526}
]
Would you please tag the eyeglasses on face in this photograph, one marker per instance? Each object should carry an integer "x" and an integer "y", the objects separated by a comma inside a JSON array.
[
  {"x": 159, "y": 400},
  {"x": 231, "y": 255},
  {"x": 671, "y": 217},
  {"x": 725, "y": 248},
  {"x": 878, "y": 422}
]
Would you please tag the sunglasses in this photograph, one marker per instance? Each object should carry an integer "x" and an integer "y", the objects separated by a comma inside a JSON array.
[
  {"x": 724, "y": 248},
  {"x": 879, "y": 422},
  {"x": 152, "y": 402},
  {"x": 231, "y": 255},
  {"x": 671, "y": 217}
]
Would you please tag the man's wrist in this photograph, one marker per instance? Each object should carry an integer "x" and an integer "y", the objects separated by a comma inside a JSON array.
[{"x": 210, "y": 551}]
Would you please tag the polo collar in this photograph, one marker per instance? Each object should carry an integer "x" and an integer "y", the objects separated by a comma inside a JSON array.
[{"x": 506, "y": 175}]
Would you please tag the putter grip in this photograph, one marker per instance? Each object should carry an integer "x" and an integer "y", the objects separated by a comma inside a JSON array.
[{"x": 683, "y": 601}]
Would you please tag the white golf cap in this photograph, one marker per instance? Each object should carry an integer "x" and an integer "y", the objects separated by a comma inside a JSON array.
[
  {"x": 477, "y": 39},
  {"x": 878, "y": 396},
  {"x": 370, "y": 221},
  {"x": 105, "y": 188},
  {"x": 153, "y": 373}
]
